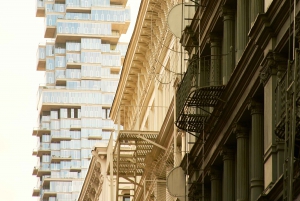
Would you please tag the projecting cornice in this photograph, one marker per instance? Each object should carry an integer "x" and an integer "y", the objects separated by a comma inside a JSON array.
[
  {"x": 128, "y": 62},
  {"x": 144, "y": 51}
]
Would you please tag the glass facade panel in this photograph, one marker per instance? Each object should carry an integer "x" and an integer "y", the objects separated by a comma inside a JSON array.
[{"x": 75, "y": 90}]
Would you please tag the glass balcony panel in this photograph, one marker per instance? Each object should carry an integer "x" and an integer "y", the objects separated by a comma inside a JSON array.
[
  {"x": 84, "y": 28},
  {"x": 91, "y": 71},
  {"x": 59, "y": 186},
  {"x": 74, "y": 97},
  {"x": 51, "y": 19},
  {"x": 55, "y": 174},
  {"x": 109, "y": 15},
  {"x": 45, "y": 118},
  {"x": 44, "y": 146},
  {"x": 86, "y": 153},
  {"x": 40, "y": 3},
  {"x": 91, "y": 57},
  {"x": 91, "y": 44},
  {"x": 65, "y": 153},
  {"x": 54, "y": 114},
  {"x": 46, "y": 138},
  {"x": 102, "y": 3},
  {"x": 73, "y": 73},
  {"x": 73, "y": 85},
  {"x": 76, "y": 163},
  {"x": 50, "y": 64},
  {"x": 105, "y": 48},
  {"x": 55, "y": 154},
  {"x": 90, "y": 85},
  {"x": 46, "y": 158},
  {"x": 41, "y": 52},
  {"x": 109, "y": 86},
  {"x": 50, "y": 78},
  {"x": 73, "y": 46},
  {"x": 83, "y": 173},
  {"x": 55, "y": 124},
  {"x": 73, "y": 58},
  {"x": 111, "y": 60},
  {"x": 107, "y": 123},
  {"x": 107, "y": 98},
  {"x": 91, "y": 111},
  {"x": 57, "y": 8},
  {"x": 49, "y": 50},
  {"x": 91, "y": 123},
  {"x": 60, "y": 61},
  {"x": 75, "y": 134},
  {"x": 68, "y": 174},
  {"x": 78, "y": 16},
  {"x": 106, "y": 135},
  {"x": 55, "y": 146},
  {"x": 107, "y": 73},
  {"x": 122, "y": 48},
  {"x": 45, "y": 166},
  {"x": 60, "y": 48},
  {"x": 60, "y": 74},
  {"x": 127, "y": 14}
]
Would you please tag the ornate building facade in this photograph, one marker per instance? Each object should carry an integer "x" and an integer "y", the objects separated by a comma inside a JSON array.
[{"x": 221, "y": 102}]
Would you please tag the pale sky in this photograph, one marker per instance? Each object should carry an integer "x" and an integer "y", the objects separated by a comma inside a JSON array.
[{"x": 20, "y": 34}]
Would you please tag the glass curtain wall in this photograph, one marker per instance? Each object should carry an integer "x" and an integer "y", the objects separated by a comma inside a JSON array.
[{"x": 81, "y": 77}]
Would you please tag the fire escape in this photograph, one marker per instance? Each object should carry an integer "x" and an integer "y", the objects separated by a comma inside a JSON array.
[{"x": 287, "y": 128}]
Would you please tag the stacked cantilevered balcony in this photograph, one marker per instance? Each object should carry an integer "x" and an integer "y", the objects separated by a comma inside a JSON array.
[{"x": 82, "y": 64}]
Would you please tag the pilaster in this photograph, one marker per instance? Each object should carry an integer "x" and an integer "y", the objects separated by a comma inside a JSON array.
[
  {"x": 257, "y": 150},
  {"x": 242, "y": 26},
  {"x": 242, "y": 169},
  {"x": 216, "y": 184},
  {"x": 274, "y": 66},
  {"x": 228, "y": 49},
  {"x": 215, "y": 59},
  {"x": 228, "y": 192},
  {"x": 257, "y": 6}
]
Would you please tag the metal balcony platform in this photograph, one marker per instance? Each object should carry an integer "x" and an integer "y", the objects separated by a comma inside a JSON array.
[
  {"x": 205, "y": 96},
  {"x": 201, "y": 99}
]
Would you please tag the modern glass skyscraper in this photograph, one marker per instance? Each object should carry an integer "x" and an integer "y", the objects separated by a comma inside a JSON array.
[{"x": 82, "y": 63}]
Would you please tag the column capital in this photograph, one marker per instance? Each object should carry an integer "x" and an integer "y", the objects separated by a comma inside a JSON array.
[
  {"x": 228, "y": 12},
  {"x": 227, "y": 153},
  {"x": 240, "y": 131},
  {"x": 215, "y": 173},
  {"x": 255, "y": 107},
  {"x": 215, "y": 40}
]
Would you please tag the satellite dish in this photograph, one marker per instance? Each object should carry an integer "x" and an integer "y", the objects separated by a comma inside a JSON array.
[
  {"x": 176, "y": 182},
  {"x": 175, "y": 18}
]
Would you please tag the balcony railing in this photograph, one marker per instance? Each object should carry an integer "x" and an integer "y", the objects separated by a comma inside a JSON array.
[
  {"x": 287, "y": 82},
  {"x": 198, "y": 93}
]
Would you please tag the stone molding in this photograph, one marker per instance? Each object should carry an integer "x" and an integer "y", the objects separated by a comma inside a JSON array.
[{"x": 273, "y": 64}]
